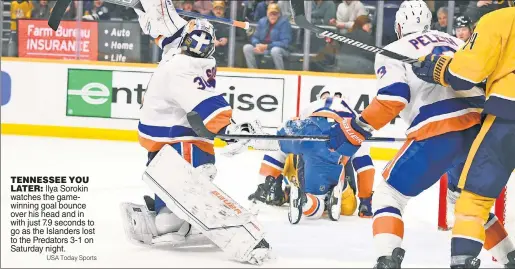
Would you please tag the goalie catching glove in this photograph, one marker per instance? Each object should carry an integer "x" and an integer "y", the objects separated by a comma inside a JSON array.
[{"x": 159, "y": 18}]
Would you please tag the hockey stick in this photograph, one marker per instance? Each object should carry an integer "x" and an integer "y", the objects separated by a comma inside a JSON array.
[
  {"x": 57, "y": 13},
  {"x": 61, "y": 5},
  {"x": 301, "y": 20},
  {"x": 201, "y": 130}
]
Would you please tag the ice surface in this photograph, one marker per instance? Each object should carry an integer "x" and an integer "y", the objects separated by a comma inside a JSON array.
[{"x": 114, "y": 169}]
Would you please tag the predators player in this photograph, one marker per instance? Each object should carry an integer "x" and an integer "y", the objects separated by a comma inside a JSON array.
[
  {"x": 315, "y": 172},
  {"x": 488, "y": 54}
]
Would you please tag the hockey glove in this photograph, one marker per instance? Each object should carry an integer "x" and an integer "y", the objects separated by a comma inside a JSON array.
[
  {"x": 346, "y": 137},
  {"x": 155, "y": 19},
  {"x": 432, "y": 69}
]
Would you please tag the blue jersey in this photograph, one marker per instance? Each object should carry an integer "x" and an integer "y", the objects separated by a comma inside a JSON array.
[{"x": 322, "y": 167}]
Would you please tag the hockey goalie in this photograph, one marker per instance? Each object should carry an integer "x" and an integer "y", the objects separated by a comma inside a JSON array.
[{"x": 180, "y": 166}]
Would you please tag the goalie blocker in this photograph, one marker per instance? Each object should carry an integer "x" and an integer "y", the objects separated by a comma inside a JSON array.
[{"x": 190, "y": 194}]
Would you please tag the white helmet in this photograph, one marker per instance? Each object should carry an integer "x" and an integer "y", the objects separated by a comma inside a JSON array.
[
  {"x": 198, "y": 38},
  {"x": 412, "y": 16}
]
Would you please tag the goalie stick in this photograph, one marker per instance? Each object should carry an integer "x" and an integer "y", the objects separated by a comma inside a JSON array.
[
  {"x": 201, "y": 130},
  {"x": 297, "y": 7},
  {"x": 61, "y": 5}
]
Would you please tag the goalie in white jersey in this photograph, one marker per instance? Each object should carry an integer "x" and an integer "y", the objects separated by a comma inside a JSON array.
[{"x": 184, "y": 81}]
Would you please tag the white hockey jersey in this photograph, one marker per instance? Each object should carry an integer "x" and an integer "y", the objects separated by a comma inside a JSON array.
[
  {"x": 428, "y": 109},
  {"x": 179, "y": 85}
]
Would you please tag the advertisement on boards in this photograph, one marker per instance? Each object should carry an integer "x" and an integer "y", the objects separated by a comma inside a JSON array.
[
  {"x": 37, "y": 40},
  {"x": 359, "y": 92},
  {"x": 105, "y": 93},
  {"x": 119, "y": 41},
  {"x": 118, "y": 95},
  {"x": 254, "y": 98}
]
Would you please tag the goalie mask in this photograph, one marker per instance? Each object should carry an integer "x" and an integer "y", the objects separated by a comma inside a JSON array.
[{"x": 198, "y": 39}]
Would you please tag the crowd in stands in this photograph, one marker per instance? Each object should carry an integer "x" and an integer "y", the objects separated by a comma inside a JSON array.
[{"x": 274, "y": 41}]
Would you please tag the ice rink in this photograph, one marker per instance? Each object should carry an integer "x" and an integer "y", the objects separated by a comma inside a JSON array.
[{"x": 115, "y": 169}]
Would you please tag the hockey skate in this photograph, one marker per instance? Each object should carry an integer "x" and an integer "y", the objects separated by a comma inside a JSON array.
[
  {"x": 261, "y": 193},
  {"x": 393, "y": 261},
  {"x": 276, "y": 196},
  {"x": 297, "y": 201},
  {"x": 261, "y": 253},
  {"x": 334, "y": 203},
  {"x": 469, "y": 263},
  {"x": 511, "y": 260},
  {"x": 140, "y": 226},
  {"x": 138, "y": 223}
]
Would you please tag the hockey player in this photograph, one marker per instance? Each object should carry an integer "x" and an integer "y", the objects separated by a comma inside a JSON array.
[
  {"x": 314, "y": 182},
  {"x": 488, "y": 54},
  {"x": 442, "y": 125},
  {"x": 463, "y": 28},
  {"x": 184, "y": 81},
  {"x": 323, "y": 170}
]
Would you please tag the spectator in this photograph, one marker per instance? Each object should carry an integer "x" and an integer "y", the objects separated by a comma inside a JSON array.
[
  {"x": 187, "y": 5},
  {"x": 323, "y": 11},
  {"x": 463, "y": 27},
  {"x": 441, "y": 24},
  {"x": 476, "y": 9},
  {"x": 273, "y": 36},
  {"x": 347, "y": 13},
  {"x": 41, "y": 10},
  {"x": 221, "y": 33},
  {"x": 203, "y": 7},
  {"x": 98, "y": 12},
  {"x": 352, "y": 59},
  {"x": 71, "y": 10},
  {"x": 19, "y": 10},
  {"x": 261, "y": 9}
]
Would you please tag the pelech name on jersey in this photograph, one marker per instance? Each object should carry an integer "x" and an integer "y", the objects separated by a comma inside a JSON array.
[{"x": 426, "y": 39}]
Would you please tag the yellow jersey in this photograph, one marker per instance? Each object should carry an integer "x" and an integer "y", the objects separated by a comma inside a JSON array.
[
  {"x": 19, "y": 10},
  {"x": 490, "y": 53}
]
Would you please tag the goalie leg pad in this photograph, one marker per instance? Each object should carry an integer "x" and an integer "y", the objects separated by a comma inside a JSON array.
[
  {"x": 193, "y": 197},
  {"x": 138, "y": 222}
]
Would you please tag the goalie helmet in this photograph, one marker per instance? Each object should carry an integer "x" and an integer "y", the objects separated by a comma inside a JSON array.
[
  {"x": 198, "y": 39},
  {"x": 412, "y": 17}
]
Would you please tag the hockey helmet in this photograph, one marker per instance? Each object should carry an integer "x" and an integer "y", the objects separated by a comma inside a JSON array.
[
  {"x": 198, "y": 38},
  {"x": 463, "y": 21},
  {"x": 412, "y": 17}
]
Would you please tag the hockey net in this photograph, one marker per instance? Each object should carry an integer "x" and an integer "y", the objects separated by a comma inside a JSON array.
[{"x": 504, "y": 207}]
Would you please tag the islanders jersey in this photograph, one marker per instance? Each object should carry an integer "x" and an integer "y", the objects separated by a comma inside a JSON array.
[
  {"x": 179, "y": 85},
  {"x": 490, "y": 54},
  {"x": 428, "y": 109}
]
